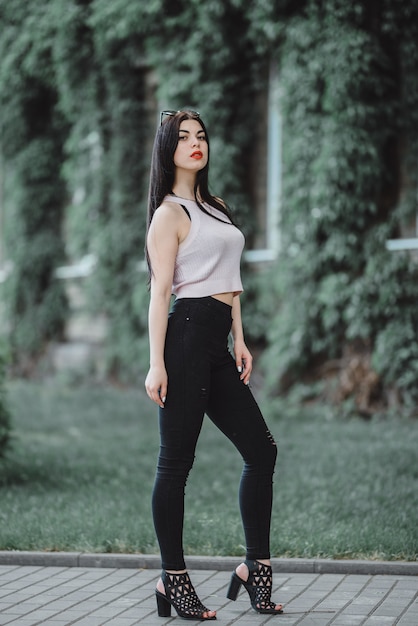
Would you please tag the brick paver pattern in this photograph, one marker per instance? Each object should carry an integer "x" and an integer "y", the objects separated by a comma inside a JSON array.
[{"x": 61, "y": 596}]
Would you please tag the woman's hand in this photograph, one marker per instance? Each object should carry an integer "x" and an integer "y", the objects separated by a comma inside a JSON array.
[
  {"x": 244, "y": 361},
  {"x": 156, "y": 384}
]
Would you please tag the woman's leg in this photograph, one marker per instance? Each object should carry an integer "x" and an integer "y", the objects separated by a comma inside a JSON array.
[
  {"x": 233, "y": 409},
  {"x": 180, "y": 425}
]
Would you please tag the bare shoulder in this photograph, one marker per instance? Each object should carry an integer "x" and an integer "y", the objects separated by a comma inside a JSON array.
[
  {"x": 169, "y": 222},
  {"x": 170, "y": 212}
]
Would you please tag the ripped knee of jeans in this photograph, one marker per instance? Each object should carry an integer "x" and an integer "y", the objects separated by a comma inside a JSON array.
[{"x": 270, "y": 438}]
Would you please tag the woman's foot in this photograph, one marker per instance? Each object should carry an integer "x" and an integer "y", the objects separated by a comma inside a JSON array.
[
  {"x": 175, "y": 588},
  {"x": 256, "y": 576}
]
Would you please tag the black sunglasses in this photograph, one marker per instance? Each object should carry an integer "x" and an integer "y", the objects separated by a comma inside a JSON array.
[{"x": 171, "y": 113}]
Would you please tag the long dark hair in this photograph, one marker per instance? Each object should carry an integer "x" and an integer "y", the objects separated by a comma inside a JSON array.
[{"x": 163, "y": 170}]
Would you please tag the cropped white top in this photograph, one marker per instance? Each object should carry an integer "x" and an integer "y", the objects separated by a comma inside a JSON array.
[{"x": 208, "y": 260}]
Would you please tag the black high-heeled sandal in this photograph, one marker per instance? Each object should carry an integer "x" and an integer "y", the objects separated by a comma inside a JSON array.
[
  {"x": 180, "y": 594},
  {"x": 258, "y": 586}
]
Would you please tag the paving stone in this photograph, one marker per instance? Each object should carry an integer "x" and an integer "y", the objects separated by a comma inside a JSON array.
[
  {"x": 21, "y": 609},
  {"x": 55, "y": 621},
  {"x": 379, "y": 620},
  {"x": 22, "y": 621},
  {"x": 348, "y": 620},
  {"x": 408, "y": 620},
  {"x": 57, "y": 596},
  {"x": 316, "y": 619}
]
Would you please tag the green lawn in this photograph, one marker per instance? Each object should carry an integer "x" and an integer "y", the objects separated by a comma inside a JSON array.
[{"x": 80, "y": 473}]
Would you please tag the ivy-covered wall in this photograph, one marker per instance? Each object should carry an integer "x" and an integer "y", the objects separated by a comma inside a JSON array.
[
  {"x": 32, "y": 138},
  {"x": 349, "y": 78},
  {"x": 5, "y": 424},
  {"x": 336, "y": 302}
]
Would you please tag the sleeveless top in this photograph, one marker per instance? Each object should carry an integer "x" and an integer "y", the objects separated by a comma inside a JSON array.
[{"x": 208, "y": 260}]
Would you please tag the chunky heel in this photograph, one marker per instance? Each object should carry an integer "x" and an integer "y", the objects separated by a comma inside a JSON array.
[
  {"x": 163, "y": 605},
  {"x": 258, "y": 586},
  {"x": 234, "y": 587}
]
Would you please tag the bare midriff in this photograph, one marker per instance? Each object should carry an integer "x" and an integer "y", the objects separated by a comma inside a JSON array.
[{"x": 226, "y": 298}]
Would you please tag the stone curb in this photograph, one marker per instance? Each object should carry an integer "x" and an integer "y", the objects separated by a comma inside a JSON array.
[{"x": 217, "y": 563}]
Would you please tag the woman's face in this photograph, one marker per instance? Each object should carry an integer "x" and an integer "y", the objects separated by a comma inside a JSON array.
[{"x": 192, "y": 149}]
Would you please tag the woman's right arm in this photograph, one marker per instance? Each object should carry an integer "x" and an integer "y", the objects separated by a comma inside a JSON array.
[{"x": 162, "y": 243}]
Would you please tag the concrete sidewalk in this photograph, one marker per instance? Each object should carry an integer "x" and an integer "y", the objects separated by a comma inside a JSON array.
[{"x": 58, "y": 594}]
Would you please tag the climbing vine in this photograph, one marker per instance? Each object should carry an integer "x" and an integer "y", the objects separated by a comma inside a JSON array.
[
  {"x": 336, "y": 302},
  {"x": 5, "y": 424},
  {"x": 345, "y": 125},
  {"x": 32, "y": 135}
]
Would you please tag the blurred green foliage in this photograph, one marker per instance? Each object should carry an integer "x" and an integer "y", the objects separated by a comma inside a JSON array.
[
  {"x": 32, "y": 136},
  {"x": 350, "y": 93},
  {"x": 5, "y": 424},
  {"x": 77, "y": 126}
]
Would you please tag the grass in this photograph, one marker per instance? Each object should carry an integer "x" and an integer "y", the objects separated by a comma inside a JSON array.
[{"x": 80, "y": 472}]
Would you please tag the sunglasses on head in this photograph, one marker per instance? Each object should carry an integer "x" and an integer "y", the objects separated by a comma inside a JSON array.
[{"x": 171, "y": 113}]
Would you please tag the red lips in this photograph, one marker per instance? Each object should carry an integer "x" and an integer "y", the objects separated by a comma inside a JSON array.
[{"x": 197, "y": 154}]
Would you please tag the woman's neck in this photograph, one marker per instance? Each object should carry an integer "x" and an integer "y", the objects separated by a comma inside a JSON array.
[
  {"x": 184, "y": 185},
  {"x": 184, "y": 192}
]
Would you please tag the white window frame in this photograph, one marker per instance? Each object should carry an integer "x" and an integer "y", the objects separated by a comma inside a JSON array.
[
  {"x": 411, "y": 243},
  {"x": 274, "y": 175}
]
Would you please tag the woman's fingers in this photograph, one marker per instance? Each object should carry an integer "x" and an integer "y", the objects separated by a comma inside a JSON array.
[
  {"x": 155, "y": 396},
  {"x": 162, "y": 394},
  {"x": 244, "y": 367},
  {"x": 156, "y": 386}
]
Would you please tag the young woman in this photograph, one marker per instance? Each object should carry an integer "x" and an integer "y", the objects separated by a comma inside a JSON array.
[{"x": 193, "y": 251}]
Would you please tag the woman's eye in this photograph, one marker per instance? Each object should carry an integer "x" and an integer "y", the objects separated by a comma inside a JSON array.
[
  {"x": 202, "y": 138},
  {"x": 182, "y": 137}
]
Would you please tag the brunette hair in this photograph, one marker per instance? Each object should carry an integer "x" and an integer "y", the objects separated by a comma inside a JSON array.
[{"x": 163, "y": 169}]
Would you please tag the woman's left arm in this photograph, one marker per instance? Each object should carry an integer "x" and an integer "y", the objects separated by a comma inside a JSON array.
[{"x": 243, "y": 357}]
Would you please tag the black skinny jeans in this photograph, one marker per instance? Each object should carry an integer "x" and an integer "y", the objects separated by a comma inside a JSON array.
[{"x": 203, "y": 378}]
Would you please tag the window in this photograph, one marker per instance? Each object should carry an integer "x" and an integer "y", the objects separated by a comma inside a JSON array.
[
  {"x": 268, "y": 199},
  {"x": 410, "y": 239}
]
